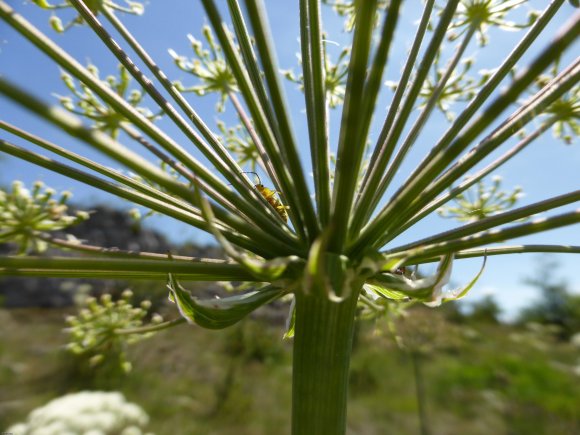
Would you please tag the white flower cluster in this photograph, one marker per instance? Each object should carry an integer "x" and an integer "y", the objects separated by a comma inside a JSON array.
[{"x": 85, "y": 413}]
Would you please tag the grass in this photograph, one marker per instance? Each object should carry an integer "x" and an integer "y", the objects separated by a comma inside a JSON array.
[{"x": 479, "y": 378}]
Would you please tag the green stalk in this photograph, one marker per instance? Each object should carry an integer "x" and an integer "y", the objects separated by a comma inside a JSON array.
[
  {"x": 350, "y": 145},
  {"x": 151, "y": 328},
  {"x": 493, "y": 236},
  {"x": 395, "y": 103},
  {"x": 97, "y": 167},
  {"x": 264, "y": 45},
  {"x": 422, "y": 178},
  {"x": 148, "y": 86},
  {"x": 561, "y": 84},
  {"x": 168, "y": 86},
  {"x": 487, "y": 90},
  {"x": 145, "y": 189},
  {"x": 113, "y": 149},
  {"x": 113, "y": 252},
  {"x": 191, "y": 217},
  {"x": 390, "y": 217},
  {"x": 495, "y": 220},
  {"x": 100, "y": 141},
  {"x": 372, "y": 87},
  {"x": 279, "y": 173},
  {"x": 376, "y": 71},
  {"x": 254, "y": 75},
  {"x": 188, "y": 270},
  {"x": 62, "y": 58},
  {"x": 420, "y": 391},
  {"x": 422, "y": 119},
  {"x": 183, "y": 104},
  {"x": 250, "y": 240},
  {"x": 550, "y": 93},
  {"x": 438, "y": 202},
  {"x": 264, "y": 159},
  {"x": 211, "y": 184},
  {"x": 232, "y": 172},
  {"x": 312, "y": 48},
  {"x": 506, "y": 250},
  {"x": 322, "y": 348},
  {"x": 247, "y": 51},
  {"x": 383, "y": 152}
]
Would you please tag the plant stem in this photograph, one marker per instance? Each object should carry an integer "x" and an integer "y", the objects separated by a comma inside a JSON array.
[
  {"x": 212, "y": 183},
  {"x": 112, "y": 252},
  {"x": 425, "y": 113},
  {"x": 178, "y": 98},
  {"x": 507, "y": 250},
  {"x": 151, "y": 328},
  {"x": 313, "y": 54},
  {"x": 322, "y": 348},
  {"x": 300, "y": 206},
  {"x": 267, "y": 54},
  {"x": 467, "y": 183},
  {"x": 420, "y": 392},
  {"x": 389, "y": 217},
  {"x": 350, "y": 148},
  {"x": 218, "y": 155},
  {"x": 99, "y": 266},
  {"x": 496, "y": 220},
  {"x": 94, "y": 166},
  {"x": 496, "y": 235},
  {"x": 487, "y": 90}
]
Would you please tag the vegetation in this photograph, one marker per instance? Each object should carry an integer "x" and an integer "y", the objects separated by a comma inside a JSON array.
[
  {"x": 221, "y": 383},
  {"x": 557, "y": 306},
  {"x": 333, "y": 247}
]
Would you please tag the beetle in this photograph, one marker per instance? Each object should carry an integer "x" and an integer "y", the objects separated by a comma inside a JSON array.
[{"x": 270, "y": 196}]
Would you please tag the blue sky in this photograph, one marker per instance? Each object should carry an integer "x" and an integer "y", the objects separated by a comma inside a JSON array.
[{"x": 546, "y": 168}]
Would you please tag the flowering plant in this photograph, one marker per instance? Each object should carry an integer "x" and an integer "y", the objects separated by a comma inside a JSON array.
[{"x": 331, "y": 243}]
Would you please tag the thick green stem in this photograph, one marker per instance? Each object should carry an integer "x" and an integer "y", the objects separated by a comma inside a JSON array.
[{"x": 322, "y": 348}]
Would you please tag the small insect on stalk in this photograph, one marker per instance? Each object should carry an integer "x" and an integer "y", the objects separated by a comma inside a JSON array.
[{"x": 270, "y": 196}]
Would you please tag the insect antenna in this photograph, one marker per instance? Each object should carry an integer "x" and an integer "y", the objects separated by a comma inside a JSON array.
[{"x": 255, "y": 173}]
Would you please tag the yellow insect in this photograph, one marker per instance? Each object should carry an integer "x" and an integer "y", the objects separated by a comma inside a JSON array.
[{"x": 270, "y": 196}]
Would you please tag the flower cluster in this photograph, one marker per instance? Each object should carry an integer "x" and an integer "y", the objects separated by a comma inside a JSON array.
[
  {"x": 335, "y": 74},
  {"x": 95, "y": 412},
  {"x": 459, "y": 87},
  {"x": 130, "y": 7},
  {"x": 480, "y": 202},
  {"x": 239, "y": 142},
  {"x": 564, "y": 113},
  {"x": 209, "y": 66},
  {"x": 347, "y": 9},
  {"x": 480, "y": 15},
  {"x": 94, "y": 332},
  {"x": 88, "y": 105},
  {"x": 26, "y": 215}
]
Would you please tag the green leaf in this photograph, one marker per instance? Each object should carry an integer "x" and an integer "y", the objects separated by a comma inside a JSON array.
[
  {"x": 314, "y": 272},
  {"x": 291, "y": 323},
  {"x": 341, "y": 277},
  {"x": 219, "y": 313},
  {"x": 375, "y": 262},
  {"x": 328, "y": 271},
  {"x": 461, "y": 292},
  {"x": 423, "y": 289},
  {"x": 385, "y": 292}
]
